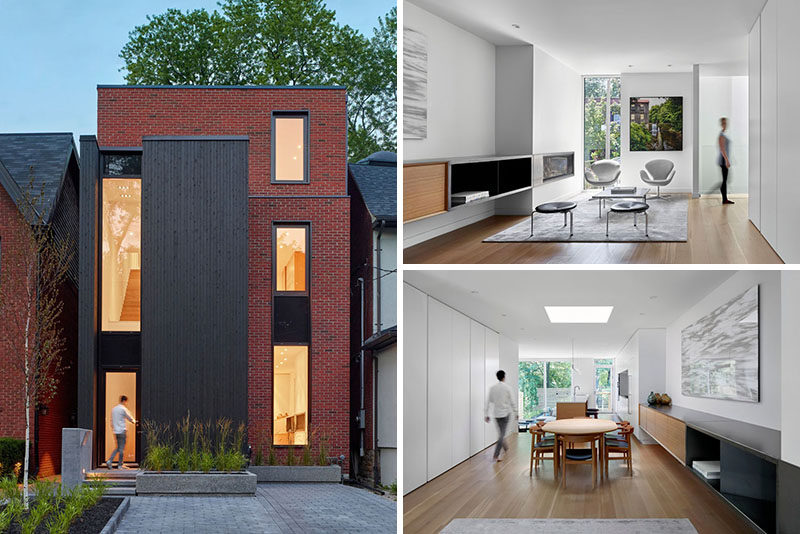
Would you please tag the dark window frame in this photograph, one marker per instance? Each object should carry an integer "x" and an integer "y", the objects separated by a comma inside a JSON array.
[
  {"x": 308, "y": 389},
  {"x": 99, "y": 287},
  {"x": 308, "y": 344},
  {"x": 106, "y": 153},
  {"x": 291, "y": 224},
  {"x": 299, "y": 114}
]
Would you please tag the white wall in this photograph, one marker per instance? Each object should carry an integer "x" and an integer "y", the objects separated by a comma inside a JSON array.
[
  {"x": 644, "y": 357},
  {"x": 790, "y": 369},
  {"x": 767, "y": 412},
  {"x": 388, "y": 300},
  {"x": 754, "y": 124},
  {"x": 774, "y": 40},
  {"x": 557, "y": 121},
  {"x": 460, "y": 90},
  {"x": 724, "y": 96},
  {"x": 415, "y": 371},
  {"x": 450, "y": 361},
  {"x": 658, "y": 84},
  {"x": 387, "y": 413},
  {"x": 514, "y": 97}
]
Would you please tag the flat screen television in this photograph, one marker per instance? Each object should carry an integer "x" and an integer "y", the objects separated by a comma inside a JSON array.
[{"x": 622, "y": 384}]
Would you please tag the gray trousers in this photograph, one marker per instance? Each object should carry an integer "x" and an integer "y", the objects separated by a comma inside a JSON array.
[
  {"x": 502, "y": 423},
  {"x": 120, "y": 448}
]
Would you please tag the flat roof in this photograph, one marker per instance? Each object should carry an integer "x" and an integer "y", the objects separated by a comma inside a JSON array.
[{"x": 122, "y": 86}]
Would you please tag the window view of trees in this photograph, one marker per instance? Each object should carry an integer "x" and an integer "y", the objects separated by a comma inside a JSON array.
[
  {"x": 602, "y": 383},
  {"x": 601, "y": 119},
  {"x": 536, "y": 399}
]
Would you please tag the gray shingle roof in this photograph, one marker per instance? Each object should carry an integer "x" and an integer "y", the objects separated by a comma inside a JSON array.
[
  {"x": 376, "y": 178},
  {"x": 45, "y": 156}
]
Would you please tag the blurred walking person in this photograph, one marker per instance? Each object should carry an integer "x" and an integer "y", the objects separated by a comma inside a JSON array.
[
  {"x": 724, "y": 160},
  {"x": 501, "y": 402}
]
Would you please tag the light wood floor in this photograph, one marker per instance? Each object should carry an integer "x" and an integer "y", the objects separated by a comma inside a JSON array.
[
  {"x": 717, "y": 234},
  {"x": 660, "y": 487}
]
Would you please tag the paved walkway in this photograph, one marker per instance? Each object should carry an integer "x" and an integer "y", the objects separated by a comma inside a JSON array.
[{"x": 276, "y": 508}]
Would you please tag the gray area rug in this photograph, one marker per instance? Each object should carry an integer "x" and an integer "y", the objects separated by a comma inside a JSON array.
[
  {"x": 668, "y": 219},
  {"x": 571, "y": 526}
]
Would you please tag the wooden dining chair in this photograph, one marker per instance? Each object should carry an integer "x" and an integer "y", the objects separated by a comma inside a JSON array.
[
  {"x": 620, "y": 446},
  {"x": 579, "y": 456},
  {"x": 540, "y": 446}
]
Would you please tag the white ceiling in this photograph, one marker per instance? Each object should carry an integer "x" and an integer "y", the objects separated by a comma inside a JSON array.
[
  {"x": 605, "y": 36},
  {"x": 641, "y": 299}
]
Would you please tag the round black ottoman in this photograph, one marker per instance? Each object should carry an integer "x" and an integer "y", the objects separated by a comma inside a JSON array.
[
  {"x": 630, "y": 207},
  {"x": 556, "y": 207}
]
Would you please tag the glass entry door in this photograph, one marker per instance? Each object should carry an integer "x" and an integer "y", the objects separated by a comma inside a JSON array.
[
  {"x": 118, "y": 383},
  {"x": 602, "y": 384}
]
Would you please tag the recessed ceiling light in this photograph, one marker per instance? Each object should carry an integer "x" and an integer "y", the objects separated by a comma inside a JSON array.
[
  {"x": 653, "y": 297},
  {"x": 504, "y": 315},
  {"x": 630, "y": 66},
  {"x": 515, "y": 26},
  {"x": 474, "y": 291},
  {"x": 578, "y": 314}
]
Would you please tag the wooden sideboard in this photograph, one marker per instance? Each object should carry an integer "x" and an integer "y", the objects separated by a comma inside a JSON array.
[
  {"x": 425, "y": 190},
  {"x": 668, "y": 431}
]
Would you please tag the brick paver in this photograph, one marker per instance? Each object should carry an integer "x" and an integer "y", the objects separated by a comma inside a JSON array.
[{"x": 276, "y": 508}]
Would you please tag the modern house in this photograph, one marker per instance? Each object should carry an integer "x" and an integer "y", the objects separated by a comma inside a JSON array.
[
  {"x": 373, "y": 330},
  {"x": 214, "y": 268},
  {"x": 510, "y": 106},
  {"x": 43, "y": 168},
  {"x": 588, "y": 355}
]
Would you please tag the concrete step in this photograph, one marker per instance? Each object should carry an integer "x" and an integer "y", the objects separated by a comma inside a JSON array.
[
  {"x": 116, "y": 483},
  {"x": 118, "y": 491},
  {"x": 113, "y": 474}
]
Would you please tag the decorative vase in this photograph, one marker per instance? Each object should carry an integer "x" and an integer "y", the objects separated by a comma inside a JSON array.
[
  {"x": 666, "y": 400},
  {"x": 658, "y": 398},
  {"x": 651, "y": 399}
]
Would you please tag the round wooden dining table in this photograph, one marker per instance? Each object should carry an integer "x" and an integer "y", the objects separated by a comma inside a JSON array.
[{"x": 580, "y": 426}]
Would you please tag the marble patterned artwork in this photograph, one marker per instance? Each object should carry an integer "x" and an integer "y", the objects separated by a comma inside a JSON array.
[
  {"x": 719, "y": 352},
  {"x": 415, "y": 85}
]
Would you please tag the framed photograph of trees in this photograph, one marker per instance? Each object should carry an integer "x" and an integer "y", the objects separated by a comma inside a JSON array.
[{"x": 656, "y": 123}]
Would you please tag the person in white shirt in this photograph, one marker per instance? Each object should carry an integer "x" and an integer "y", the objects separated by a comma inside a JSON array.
[
  {"x": 501, "y": 399},
  {"x": 119, "y": 416}
]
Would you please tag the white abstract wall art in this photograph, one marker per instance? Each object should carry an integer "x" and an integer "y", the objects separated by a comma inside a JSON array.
[
  {"x": 415, "y": 85},
  {"x": 719, "y": 352}
]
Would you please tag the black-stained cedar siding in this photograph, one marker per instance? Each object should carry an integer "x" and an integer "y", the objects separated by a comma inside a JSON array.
[
  {"x": 194, "y": 278},
  {"x": 87, "y": 284}
]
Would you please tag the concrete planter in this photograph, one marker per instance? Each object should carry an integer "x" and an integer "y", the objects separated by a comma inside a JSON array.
[
  {"x": 195, "y": 483},
  {"x": 297, "y": 473}
]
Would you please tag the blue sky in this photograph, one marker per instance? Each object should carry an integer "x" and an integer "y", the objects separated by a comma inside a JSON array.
[{"x": 54, "y": 53}]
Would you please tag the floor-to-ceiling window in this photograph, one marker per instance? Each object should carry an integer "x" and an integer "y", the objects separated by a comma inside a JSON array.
[
  {"x": 602, "y": 383},
  {"x": 543, "y": 384},
  {"x": 120, "y": 303},
  {"x": 602, "y": 117},
  {"x": 291, "y": 334}
]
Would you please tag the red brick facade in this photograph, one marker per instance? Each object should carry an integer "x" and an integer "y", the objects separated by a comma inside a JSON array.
[
  {"x": 126, "y": 114},
  {"x": 12, "y": 405},
  {"x": 61, "y": 409}
]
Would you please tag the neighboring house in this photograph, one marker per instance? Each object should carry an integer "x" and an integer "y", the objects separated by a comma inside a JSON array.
[
  {"x": 373, "y": 334},
  {"x": 214, "y": 262},
  {"x": 43, "y": 167}
]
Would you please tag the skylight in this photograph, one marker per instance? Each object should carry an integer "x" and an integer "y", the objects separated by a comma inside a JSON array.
[{"x": 578, "y": 314}]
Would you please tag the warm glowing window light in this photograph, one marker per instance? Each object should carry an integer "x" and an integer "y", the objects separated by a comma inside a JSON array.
[
  {"x": 290, "y": 395},
  {"x": 289, "y": 149}
]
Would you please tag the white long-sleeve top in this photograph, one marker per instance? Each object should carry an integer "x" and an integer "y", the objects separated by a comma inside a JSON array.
[
  {"x": 119, "y": 414},
  {"x": 501, "y": 399}
]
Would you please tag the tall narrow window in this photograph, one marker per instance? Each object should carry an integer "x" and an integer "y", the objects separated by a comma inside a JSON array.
[
  {"x": 290, "y": 395},
  {"x": 601, "y": 119},
  {"x": 121, "y": 255},
  {"x": 290, "y": 258},
  {"x": 290, "y": 147}
]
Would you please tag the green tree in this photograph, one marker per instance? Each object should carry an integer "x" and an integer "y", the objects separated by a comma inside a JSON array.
[
  {"x": 559, "y": 374},
  {"x": 531, "y": 378},
  {"x": 276, "y": 42},
  {"x": 640, "y": 136}
]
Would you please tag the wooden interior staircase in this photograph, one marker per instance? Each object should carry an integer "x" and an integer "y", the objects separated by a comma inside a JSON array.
[{"x": 131, "y": 306}]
